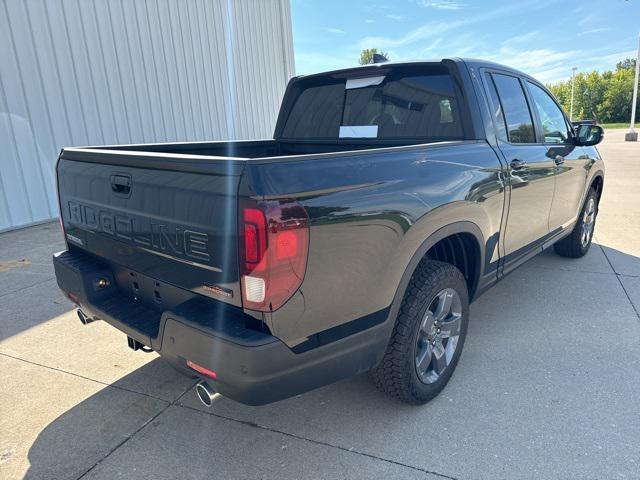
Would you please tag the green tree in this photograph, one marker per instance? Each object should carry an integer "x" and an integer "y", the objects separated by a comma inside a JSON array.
[
  {"x": 616, "y": 105},
  {"x": 591, "y": 95},
  {"x": 366, "y": 56},
  {"x": 627, "y": 64},
  {"x": 605, "y": 97}
]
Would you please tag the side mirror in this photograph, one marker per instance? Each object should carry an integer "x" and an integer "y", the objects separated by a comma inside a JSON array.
[{"x": 588, "y": 135}]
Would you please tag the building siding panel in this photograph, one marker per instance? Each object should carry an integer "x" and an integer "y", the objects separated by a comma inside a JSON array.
[{"x": 85, "y": 72}]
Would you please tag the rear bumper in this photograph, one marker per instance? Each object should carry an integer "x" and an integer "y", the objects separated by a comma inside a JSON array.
[{"x": 251, "y": 367}]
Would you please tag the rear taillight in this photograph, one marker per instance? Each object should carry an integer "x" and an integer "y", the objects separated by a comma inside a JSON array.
[{"x": 274, "y": 243}]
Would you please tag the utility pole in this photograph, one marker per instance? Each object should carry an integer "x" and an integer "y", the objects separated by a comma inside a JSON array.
[
  {"x": 573, "y": 81},
  {"x": 632, "y": 136}
]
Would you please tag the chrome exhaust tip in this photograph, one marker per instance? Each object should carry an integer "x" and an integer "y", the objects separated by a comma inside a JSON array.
[
  {"x": 206, "y": 394},
  {"x": 83, "y": 318}
]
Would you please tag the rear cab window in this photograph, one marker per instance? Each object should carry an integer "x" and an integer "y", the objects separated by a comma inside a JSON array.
[{"x": 402, "y": 103}]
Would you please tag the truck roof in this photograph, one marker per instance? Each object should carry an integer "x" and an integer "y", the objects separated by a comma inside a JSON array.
[{"x": 470, "y": 62}]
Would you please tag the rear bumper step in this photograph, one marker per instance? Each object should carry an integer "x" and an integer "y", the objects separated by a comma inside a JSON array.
[{"x": 250, "y": 366}]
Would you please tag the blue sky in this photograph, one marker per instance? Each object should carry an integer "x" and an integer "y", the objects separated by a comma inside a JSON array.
[{"x": 544, "y": 38}]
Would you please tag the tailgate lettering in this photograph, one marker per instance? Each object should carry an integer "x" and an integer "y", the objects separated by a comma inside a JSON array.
[{"x": 174, "y": 240}]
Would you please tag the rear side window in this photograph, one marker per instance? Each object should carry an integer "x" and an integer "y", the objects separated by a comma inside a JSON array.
[
  {"x": 496, "y": 110},
  {"x": 515, "y": 109},
  {"x": 398, "y": 105}
]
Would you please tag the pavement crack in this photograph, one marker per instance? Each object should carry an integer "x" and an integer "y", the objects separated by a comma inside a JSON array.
[
  {"x": 573, "y": 270},
  {"x": 22, "y": 289},
  {"x": 117, "y": 387},
  {"x": 130, "y": 436},
  {"x": 86, "y": 378},
  {"x": 319, "y": 442},
  {"x": 620, "y": 282}
]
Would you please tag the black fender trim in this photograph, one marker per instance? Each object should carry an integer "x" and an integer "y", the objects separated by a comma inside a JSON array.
[
  {"x": 444, "y": 232},
  {"x": 598, "y": 175}
]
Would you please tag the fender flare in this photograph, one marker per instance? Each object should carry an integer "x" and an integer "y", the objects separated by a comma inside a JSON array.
[
  {"x": 598, "y": 175},
  {"x": 440, "y": 234}
]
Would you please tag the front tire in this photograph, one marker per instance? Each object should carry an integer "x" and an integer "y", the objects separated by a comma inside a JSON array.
[
  {"x": 428, "y": 336},
  {"x": 577, "y": 244}
]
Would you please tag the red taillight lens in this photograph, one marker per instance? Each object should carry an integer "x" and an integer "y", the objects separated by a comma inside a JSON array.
[
  {"x": 255, "y": 237},
  {"x": 274, "y": 243}
]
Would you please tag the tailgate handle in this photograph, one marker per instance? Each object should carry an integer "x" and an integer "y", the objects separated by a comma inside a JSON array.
[{"x": 121, "y": 184}]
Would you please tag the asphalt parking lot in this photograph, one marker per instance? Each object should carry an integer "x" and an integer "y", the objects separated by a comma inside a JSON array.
[{"x": 548, "y": 385}]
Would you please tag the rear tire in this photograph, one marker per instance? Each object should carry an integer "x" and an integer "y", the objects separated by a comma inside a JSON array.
[
  {"x": 577, "y": 244},
  {"x": 428, "y": 335}
]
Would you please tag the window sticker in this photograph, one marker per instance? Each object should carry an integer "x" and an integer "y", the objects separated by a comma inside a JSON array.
[{"x": 359, "y": 131}]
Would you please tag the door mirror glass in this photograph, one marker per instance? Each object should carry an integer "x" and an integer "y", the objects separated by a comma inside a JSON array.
[{"x": 588, "y": 135}]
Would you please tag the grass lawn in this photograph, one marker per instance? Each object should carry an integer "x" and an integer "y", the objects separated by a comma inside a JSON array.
[{"x": 614, "y": 125}]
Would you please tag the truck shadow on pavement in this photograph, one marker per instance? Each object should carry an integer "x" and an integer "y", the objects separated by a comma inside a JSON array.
[
  {"x": 165, "y": 432},
  {"x": 87, "y": 433}
]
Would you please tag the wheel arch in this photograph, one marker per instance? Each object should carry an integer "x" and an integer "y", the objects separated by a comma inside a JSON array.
[
  {"x": 597, "y": 182},
  {"x": 463, "y": 228}
]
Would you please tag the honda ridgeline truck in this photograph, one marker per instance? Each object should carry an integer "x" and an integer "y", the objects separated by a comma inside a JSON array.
[{"x": 390, "y": 197}]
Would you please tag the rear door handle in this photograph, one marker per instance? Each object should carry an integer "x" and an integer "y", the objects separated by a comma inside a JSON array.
[
  {"x": 559, "y": 160},
  {"x": 517, "y": 164}
]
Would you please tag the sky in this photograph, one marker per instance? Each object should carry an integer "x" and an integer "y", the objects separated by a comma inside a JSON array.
[{"x": 544, "y": 38}]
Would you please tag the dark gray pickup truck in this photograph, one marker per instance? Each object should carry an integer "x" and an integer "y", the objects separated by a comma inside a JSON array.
[{"x": 390, "y": 197}]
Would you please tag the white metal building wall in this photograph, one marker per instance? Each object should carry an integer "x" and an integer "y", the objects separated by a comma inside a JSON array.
[{"x": 90, "y": 72}]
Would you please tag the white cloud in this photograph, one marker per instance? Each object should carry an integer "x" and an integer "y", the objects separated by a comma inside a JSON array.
[
  {"x": 594, "y": 30},
  {"x": 613, "y": 58},
  {"x": 443, "y": 4},
  {"x": 550, "y": 66},
  {"x": 424, "y": 32},
  {"x": 369, "y": 20},
  {"x": 436, "y": 29},
  {"x": 539, "y": 58},
  {"x": 520, "y": 39},
  {"x": 587, "y": 19},
  {"x": 429, "y": 49},
  {"x": 335, "y": 30},
  {"x": 395, "y": 17}
]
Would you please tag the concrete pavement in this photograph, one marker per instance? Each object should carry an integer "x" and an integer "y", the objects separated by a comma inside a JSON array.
[{"x": 547, "y": 386}]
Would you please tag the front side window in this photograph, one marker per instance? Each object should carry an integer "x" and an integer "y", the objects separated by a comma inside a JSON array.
[
  {"x": 554, "y": 126},
  {"x": 418, "y": 104},
  {"x": 515, "y": 109}
]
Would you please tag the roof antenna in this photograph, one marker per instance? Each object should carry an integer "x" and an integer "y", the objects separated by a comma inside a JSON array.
[{"x": 379, "y": 58}]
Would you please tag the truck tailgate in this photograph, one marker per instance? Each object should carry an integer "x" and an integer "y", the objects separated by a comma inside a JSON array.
[{"x": 154, "y": 217}]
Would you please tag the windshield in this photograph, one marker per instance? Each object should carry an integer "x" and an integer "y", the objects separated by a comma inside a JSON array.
[{"x": 420, "y": 104}]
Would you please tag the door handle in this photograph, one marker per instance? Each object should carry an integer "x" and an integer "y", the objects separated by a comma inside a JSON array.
[
  {"x": 121, "y": 184},
  {"x": 517, "y": 164},
  {"x": 559, "y": 160}
]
